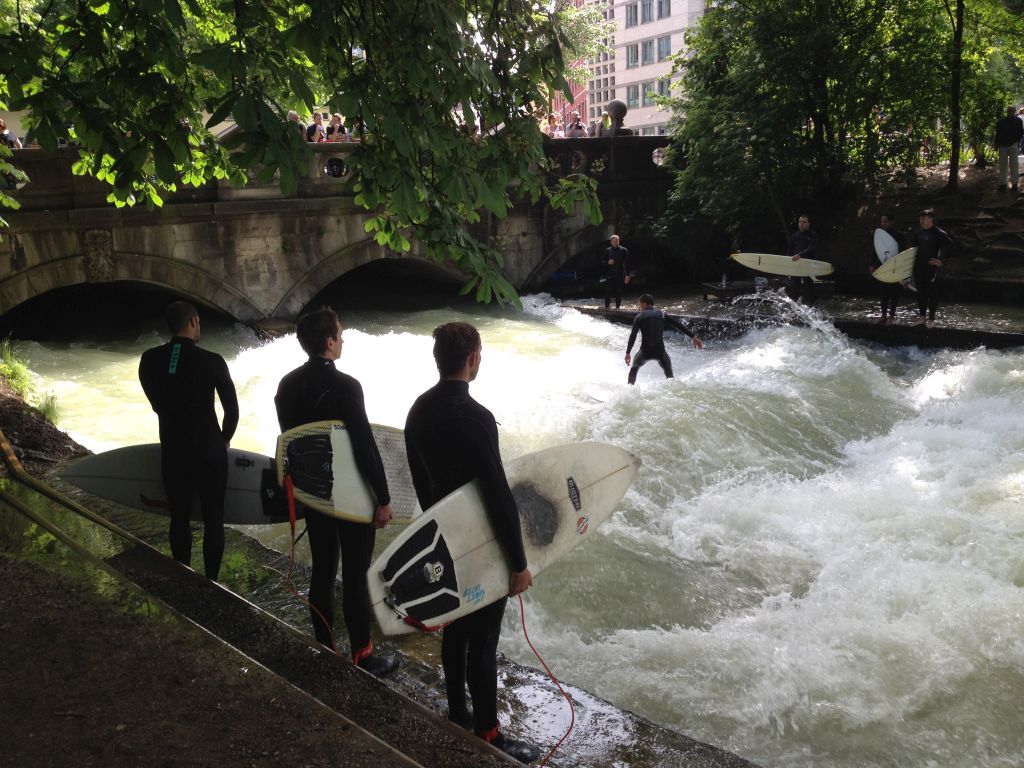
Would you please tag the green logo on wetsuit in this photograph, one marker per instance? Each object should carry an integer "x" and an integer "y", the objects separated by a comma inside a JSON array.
[{"x": 175, "y": 354}]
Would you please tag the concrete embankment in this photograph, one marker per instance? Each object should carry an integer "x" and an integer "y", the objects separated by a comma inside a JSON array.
[{"x": 320, "y": 700}]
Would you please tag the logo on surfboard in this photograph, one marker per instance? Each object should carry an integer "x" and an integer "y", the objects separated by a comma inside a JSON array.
[
  {"x": 582, "y": 525},
  {"x": 433, "y": 572},
  {"x": 473, "y": 594},
  {"x": 574, "y": 494}
]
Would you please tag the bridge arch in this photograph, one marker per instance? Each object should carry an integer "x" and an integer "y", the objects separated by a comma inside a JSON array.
[{"x": 189, "y": 280}]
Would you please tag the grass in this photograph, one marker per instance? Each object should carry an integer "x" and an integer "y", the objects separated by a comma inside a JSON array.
[{"x": 14, "y": 371}]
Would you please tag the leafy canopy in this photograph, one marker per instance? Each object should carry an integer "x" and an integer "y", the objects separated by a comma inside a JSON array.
[{"x": 130, "y": 82}]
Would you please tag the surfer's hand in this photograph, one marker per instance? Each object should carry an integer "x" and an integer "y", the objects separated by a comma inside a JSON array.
[
  {"x": 935, "y": 262},
  {"x": 796, "y": 257},
  {"x": 519, "y": 582},
  {"x": 626, "y": 279},
  {"x": 611, "y": 262},
  {"x": 382, "y": 516},
  {"x": 627, "y": 358},
  {"x": 697, "y": 343}
]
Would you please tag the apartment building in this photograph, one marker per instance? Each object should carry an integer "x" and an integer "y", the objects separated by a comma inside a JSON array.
[{"x": 647, "y": 33}]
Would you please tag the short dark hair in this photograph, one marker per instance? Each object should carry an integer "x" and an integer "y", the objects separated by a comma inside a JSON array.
[
  {"x": 453, "y": 343},
  {"x": 929, "y": 212},
  {"x": 647, "y": 298},
  {"x": 314, "y": 328},
  {"x": 178, "y": 315}
]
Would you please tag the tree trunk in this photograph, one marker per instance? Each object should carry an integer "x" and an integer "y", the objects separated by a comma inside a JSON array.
[{"x": 954, "y": 101}]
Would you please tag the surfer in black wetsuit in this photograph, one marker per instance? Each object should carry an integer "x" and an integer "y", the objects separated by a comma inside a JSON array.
[
  {"x": 650, "y": 324},
  {"x": 616, "y": 266},
  {"x": 317, "y": 391},
  {"x": 933, "y": 246},
  {"x": 451, "y": 440},
  {"x": 890, "y": 291},
  {"x": 803, "y": 244},
  {"x": 179, "y": 380}
]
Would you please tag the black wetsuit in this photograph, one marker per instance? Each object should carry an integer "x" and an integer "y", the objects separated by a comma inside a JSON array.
[
  {"x": 650, "y": 324},
  {"x": 890, "y": 291},
  {"x": 451, "y": 439},
  {"x": 804, "y": 244},
  {"x": 931, "y": 243},
  {"x": 180, "y": 379},
  {"x": 615, "y": 274},
  {"x": 317, "y": 391}
]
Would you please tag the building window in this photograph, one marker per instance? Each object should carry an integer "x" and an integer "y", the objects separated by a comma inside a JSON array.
[
  {"x": 632, "y": 56},
  {"x": 632, "y": 95},
  {"x": 646, "y": 11},
  {"x": 648, "y": 52},
  {"x": 663, "y": 87},
  {"x": 664, "y": 47},
  {"x": 649, "y": 131},
  {"x": 664, "y": 8},
  {"x": 631, "y": 15},
  {"x": 648, "y": 93}
]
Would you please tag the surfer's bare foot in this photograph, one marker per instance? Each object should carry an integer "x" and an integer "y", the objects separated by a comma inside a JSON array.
[
  {"x": 919, "y": 321},
  {"x": 881, "y": 321},
  {"x": 930, "y": 324},
  {"x": 379, "y": 666}
]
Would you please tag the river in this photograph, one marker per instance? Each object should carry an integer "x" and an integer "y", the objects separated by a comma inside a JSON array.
[{"x": 820, "y": 563}]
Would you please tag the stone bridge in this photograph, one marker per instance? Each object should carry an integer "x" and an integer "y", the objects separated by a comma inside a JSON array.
[{"x": 255, "y": 254}]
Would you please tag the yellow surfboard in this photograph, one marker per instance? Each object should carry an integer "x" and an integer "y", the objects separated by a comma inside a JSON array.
[{"x": 897, "y": 269}]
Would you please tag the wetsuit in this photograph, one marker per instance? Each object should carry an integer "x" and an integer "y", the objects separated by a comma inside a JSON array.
[
  {"x": 890, "y": 291},
  {"x": 317, "y": 391},
  {"x": 451, "y": 439},
  {"x": 806, "y": 245},
  {"x": 650, "y": 324},
  {"x": 180, "y": 379},
  {"x": 615, "y": 274},
  {"x": 932, "y": 243}
]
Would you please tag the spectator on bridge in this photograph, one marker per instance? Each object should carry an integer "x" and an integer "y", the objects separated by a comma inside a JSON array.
[
  {"x": 1009, "y": 132},
  {"x": 576, "y": 128},
  {"x": 316, "y": 132},
  {"x": 336, "y": 130},
  {"x": 8, "y": 137},
  {"x": 605, "y": 127},
  {"x": 293, "y": 117},
  {"x": 358, "y": 130},
  {"x": 553, "y": 130}
]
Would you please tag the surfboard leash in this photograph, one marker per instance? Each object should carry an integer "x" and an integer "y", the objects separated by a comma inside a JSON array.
[
  {"x": 289, "y": 489},
  {"x": 572, "y": 709}
]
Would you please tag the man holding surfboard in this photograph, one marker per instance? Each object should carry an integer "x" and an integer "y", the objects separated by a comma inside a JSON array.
[
  {"x": 933, "y": 245},
  {"x": 888, "y": 242},
  {"x": 803, "y": 244},
  {"x": 317, "y": 391},
  {"x": 452, "y": 440},
  {"x": 180, "y": 380}
]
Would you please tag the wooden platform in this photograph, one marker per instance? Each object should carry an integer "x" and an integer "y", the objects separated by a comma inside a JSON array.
[{"x": 889, "y": 335}]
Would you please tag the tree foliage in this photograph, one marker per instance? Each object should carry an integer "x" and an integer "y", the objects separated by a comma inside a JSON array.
[
  {"x": 789, "y": 106},
  {"x": 137, "y": 84}
]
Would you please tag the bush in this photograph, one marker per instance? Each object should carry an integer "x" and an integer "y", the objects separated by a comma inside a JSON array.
[
  {"x": 13, "y": 370},
  {"x": 49, "y": 407}
]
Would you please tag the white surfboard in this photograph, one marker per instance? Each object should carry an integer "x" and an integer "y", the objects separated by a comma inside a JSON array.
[
  {"x": 886, "y": 246},
  {"x": 319, "y": 458},
  {"x": 777, "y": 264},
  {"x": 897, "y": 269},
  {"x": 448, "y": 563},
  {"x": 131, "y": 476}
]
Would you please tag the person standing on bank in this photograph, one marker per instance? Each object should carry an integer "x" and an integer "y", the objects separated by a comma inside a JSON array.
[
  {"x": 1009, "y": 131},
  {"x": 452, "y": 440},
  {"x": 890, "y": 291},
  {"x": 180, "y": 380},
  {"x": 803, "y": 244},
  {"x": 933, "y": 247},
  {"x": 650, "y": 323},
  {"x": 317, "y": 391},
  {"x": 616, "y": 266}
]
